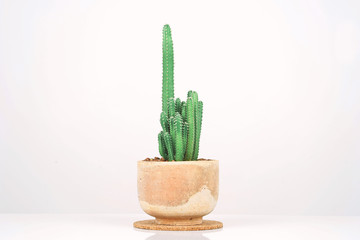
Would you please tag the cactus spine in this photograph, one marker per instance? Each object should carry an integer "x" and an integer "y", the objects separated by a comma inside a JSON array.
[{"x": 180, "y": 120}]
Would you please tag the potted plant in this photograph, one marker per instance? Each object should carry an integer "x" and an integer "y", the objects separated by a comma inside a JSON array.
[{"x": 178, "y": 189}]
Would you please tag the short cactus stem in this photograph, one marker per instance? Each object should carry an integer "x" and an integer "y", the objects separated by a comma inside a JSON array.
[
  {"x": 179, "y": 146},
  {"x": 169, "y": 146},
  {"x": 162, "y": 148},
  {"x": 191, "y": 135},
  {"x": 198, "y": 122}
]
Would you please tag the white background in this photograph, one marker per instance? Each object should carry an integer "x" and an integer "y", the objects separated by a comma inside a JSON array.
[{"x": 80, "y": 100}]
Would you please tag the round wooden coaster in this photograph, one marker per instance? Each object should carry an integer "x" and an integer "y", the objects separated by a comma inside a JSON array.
[{"x": 151, "y": 225}]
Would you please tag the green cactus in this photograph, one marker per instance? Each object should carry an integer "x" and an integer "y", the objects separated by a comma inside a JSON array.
[{"x": 181, "y": 121}]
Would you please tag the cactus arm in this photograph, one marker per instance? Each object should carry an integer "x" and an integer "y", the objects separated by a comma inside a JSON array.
[
  {"x": 168, "y": 68},
  {"x": 178, "y": 105},
  {"x": 191, "y": 135},
  {"x": 169, "y": 146},
  {"x": 179, "y": 151},
  {"x": 185, "y": 135},
  {"x": 183, "y": 112},
  {"x": 172, "y": 131},
  {"x": 195, "y": 97},
  {"x": 164, "y": 122},
  {"x": 189, "y": 94},
  {"x": 198, "y": 122},
  {"x": 162, "y": 148}
]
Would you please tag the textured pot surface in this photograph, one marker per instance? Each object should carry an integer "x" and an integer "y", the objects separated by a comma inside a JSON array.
[{"x": 178, "y": 193}]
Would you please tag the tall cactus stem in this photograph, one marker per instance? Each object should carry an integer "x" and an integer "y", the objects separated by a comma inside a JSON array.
[{"x": 168, "y": 68}]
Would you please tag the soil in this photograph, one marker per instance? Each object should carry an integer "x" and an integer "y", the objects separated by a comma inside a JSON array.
[{"x": 157, "y": 159}]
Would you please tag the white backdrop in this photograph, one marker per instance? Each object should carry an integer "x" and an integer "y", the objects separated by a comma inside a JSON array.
[{"x": 80, "y": 100}]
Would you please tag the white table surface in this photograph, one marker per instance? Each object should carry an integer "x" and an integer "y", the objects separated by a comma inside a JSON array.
[{"x": 119, "y": 226}]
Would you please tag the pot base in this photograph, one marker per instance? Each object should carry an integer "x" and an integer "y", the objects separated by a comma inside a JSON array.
[
  {"x": 179, "y": 221},
  {"x": 152, "y": 225}
]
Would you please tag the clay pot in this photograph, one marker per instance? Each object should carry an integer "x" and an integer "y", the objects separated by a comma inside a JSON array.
[{"x": 178, "y": 193}]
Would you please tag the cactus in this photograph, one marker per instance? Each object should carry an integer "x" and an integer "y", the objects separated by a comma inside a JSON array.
[{"x": 181, "y": 121}]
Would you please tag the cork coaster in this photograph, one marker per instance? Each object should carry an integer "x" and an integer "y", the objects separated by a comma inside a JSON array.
[{"x": 151, "y": 225}]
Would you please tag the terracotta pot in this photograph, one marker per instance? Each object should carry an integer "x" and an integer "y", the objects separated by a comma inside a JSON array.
[{"x": 178, "y": 193}]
